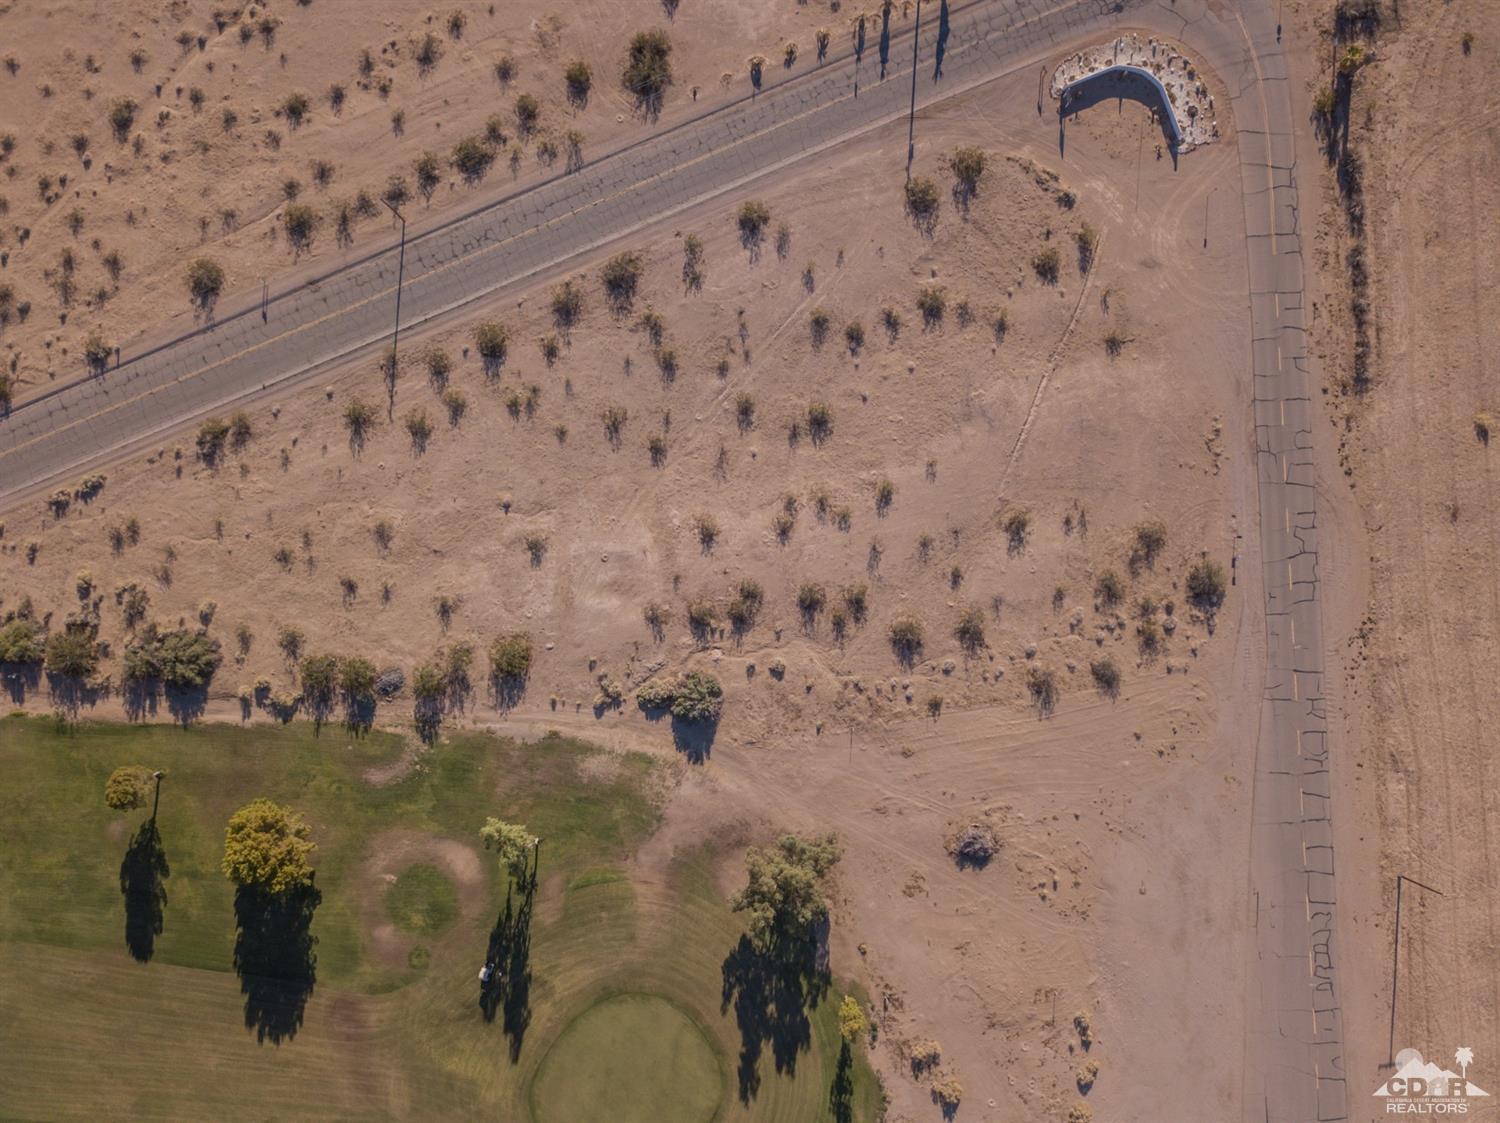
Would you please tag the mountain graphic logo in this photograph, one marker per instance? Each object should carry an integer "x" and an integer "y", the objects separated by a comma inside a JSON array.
[{"x": 1418, "y": 1079}]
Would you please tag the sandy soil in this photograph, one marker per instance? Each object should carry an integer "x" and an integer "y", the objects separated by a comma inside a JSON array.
[
  {"x": 1117, "y": 891},
  {"x": 183, "y": 183},
  {"x": 1421, "y": 605}
]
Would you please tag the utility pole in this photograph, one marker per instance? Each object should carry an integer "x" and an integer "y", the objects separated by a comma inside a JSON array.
[
  {"x": 1396, "y": 960},
  {"x": 911, "y": 126},
  {"x": 396, "y": 333}
]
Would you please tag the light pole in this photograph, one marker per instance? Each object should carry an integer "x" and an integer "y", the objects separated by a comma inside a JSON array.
[
  {"x": 390, "y": 377},
  {"x": 1396, "y": 960},
  {"x": 911, "y": 127}
]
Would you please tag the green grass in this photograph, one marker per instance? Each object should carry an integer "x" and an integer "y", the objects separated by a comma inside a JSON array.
[
  {"x": 168, "y": 1038},
  {"x": 421, "y": 900},
  {"x": 666, "y": 1071}
]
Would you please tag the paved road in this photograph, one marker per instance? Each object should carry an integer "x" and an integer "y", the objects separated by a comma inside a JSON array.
[
  {"x": 503, "y": 244},
  {"x": 1294, "y": 1036}
]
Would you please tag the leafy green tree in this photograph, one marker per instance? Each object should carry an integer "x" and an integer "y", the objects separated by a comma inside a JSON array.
[
  {"x": 357, "y": 678},
  {"x": 266, "y": 847},
  {"x": 128, "y": 787},
  {"x": 180, "y": 658},
  {"x": 73, "y": 652},
  {"x": 784, "y": 894},
  {"x": 21, "y": 641},
  {"x": 512, "y": 844},
  {"x": 510, "y": 657},
  {"x": 697, "y": 697}
]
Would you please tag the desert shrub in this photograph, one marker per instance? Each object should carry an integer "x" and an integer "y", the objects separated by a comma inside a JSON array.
[
  {"x": 579, "y": 79},
  {"x": 811, "y": 598},
  {"x": 702, "y": 617},
  {"x": 122, "y": 117},
  {"x": 1046, "y": 264},
  {"x": 567, "y": 304},
  {"x": 319, "y": 676},
  {"x": 1016, "y": 524},
  {"x": 528, "y": 113},
  {"x": 648, "y": 70},
  {"x": 1148, "y": 636},
  {"x": 439, "y": 365},
  {"x": 621, "y": 275},
  {"x": 656, "y": 616},
  {"x": 854, "y": 336},
  {"x": 744, "y": 411},
  {"x": 1088, "y": 243},
  {"x": 932, "y": 302},
  {"x": 692, "y": 262},
  {"x": 205, "y": 281},
  {"x": 746, "y": 605},
  {"x": 428, "y": 172},
  {"x": 970, "y": 630},
  {"x": 492, "y": 341},
  {"x": 472, "y": 158},
  {"x": 212, "y": 436},
  {"x": 906, "y": 640},
  {"x": 822, "y": 38},
  {"x": 426, "y": 52},
  {"x": 656, "y": 448},
  {"x": 819, "y": 421},
  {"x": 973, "y": 845},
  {"x": 967, "y": 166},
  {"x": 1106, "y": 675},
  {"x": 782, "y": 525},
  {"x": 1206, "y": 585},
  {"x": 1109, "y": 588},
  {"x": 817, "y": 322},
  {"x": 510, "y": 658},
  {"x": 614, "y": 419},
  {"x": 419, "y": 429},
  {"x": 360, "y": 419},
  {"x": 1150, "y": 540},
  {"x": 947, "y": 1091},
  {"x": 922, "y": 202},
  {"x": 706, "y": 527},
  {"x": 1485, "y": 422},
  {"x": 752, "y": 220},
  {"x": 1041, "y": 683},
  {"x": 295, "y": 108},
  {"x": 885, "y": 493},
  {"x": 656, "y": 694},
  {"x": 697, "y": 697},
  {"x": 455, "y": 403},
  {"x": 890, "y": 319},
  {"x": 300, "y": 222},
  {"x": 96, "y": 351}
]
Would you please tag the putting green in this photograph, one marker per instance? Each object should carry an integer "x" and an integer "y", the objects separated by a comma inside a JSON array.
[{"x": 634, "y": 1058}]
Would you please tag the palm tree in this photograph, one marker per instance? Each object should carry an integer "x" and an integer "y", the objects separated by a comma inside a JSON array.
[{"x": 1464, "y": 1057}]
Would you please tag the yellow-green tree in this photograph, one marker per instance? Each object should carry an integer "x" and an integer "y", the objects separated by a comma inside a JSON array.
[
  {"x": 852, "y": 1021},
  {"x": 266, "y": 847},
  {"x": 511, "y": 842},
  {"x": 127, "y": 787}
]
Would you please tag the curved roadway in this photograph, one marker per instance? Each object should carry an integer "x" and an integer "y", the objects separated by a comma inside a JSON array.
[{"x": 1294, "y": 1049}]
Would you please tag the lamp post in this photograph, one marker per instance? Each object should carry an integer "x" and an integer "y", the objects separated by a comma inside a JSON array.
[{"x": 390, "y": 378}]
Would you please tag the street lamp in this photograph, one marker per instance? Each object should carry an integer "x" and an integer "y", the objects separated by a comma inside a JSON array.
[
  {"x": 390, "y": 378},
  {"x": 911, "y": 127}
]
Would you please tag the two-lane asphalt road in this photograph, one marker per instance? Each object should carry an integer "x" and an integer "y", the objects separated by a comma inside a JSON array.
[{"x": 1294, "y": 1050}]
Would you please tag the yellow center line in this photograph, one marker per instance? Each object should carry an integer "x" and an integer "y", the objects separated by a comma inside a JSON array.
[{"x": 475, "y": 256}]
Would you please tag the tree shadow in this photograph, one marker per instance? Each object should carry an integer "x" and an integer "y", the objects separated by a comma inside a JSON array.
[
  {"x": 694, "y": 739},
  {"x": 141, "y": 876},
  {"x": 19, "y": 678},
  {"x": 186, "y": 703},
  {"x": 841, "y": 1094},
  {"x": 69, "y": 694},
  {"x": 771, "y": 994},
  {"x": 275, "y": 958},
  {"x": 885, "y": 39},
  {"x": 507, "y": 992}
]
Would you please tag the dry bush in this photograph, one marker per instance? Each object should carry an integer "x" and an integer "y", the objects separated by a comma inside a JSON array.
[
  {"x": 970, "y": 630},
  {"x": 621, "y": 276},
  {"x": 1041, "y": 683},
  {"x": 648, "y": 70},
  {"x": 921, "y": 196},
  {"x": 1047, "y": 264}
]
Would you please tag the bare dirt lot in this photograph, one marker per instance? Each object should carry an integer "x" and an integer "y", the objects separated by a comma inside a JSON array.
[
  {"x": 1417, "y": 582},
  {"x": 980, "y": 471}
]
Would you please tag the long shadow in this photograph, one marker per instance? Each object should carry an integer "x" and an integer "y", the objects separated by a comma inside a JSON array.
[
  {"x": 885, "y": 41},
  {"x": 942, "y": 40},
  {"x": 507, "y": 992},
  {"x": 19, "y": 678},
  {"x": 275, "y": 958},
  {"x": 141, "y": 876},
  {"x": 70, "y": 694},
  {"x": 1121, "y": 87},
  {"x": 771, "y": 995},
  {"x": 694, "y": 739},
  {"x": 841, "y": 1094},
  {"x": 186, "y": 704}
]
